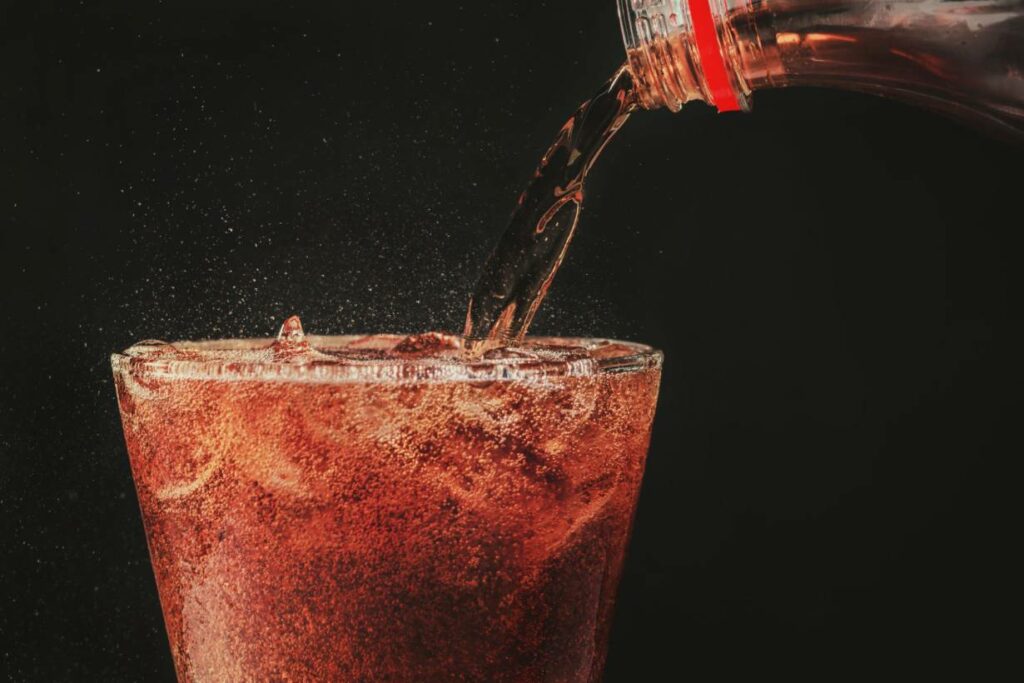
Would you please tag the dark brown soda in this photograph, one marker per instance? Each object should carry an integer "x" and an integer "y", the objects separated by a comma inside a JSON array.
[{"x": 386, "y": 509}]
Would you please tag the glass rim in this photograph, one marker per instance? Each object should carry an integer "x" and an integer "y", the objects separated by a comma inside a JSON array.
[{"x": 635, "y": 357}]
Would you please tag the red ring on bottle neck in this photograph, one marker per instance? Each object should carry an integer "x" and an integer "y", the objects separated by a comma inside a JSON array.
[{"x": 711, "y": 59}]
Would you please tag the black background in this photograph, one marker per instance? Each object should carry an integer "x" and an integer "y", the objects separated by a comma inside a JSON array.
[{"x": 832, "y": 277}]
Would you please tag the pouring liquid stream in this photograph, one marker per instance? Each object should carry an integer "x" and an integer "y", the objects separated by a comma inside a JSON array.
[{"x": 519, "y": 271}]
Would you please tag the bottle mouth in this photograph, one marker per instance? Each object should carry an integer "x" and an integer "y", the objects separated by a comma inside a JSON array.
[{"x": 677, "y": 55}]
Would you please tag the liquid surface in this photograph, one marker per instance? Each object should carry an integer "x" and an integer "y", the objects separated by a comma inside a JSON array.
[
  {"x": 519, "y": 271},
  {"x": 431, "y": 356},
  {"x": 376, "y": 524}
]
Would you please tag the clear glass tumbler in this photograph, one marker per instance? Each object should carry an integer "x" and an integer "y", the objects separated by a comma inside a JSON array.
[{"x": 380, "y": 509}]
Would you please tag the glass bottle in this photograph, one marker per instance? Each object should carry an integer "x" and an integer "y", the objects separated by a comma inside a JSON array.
[{"x": 961, "y": 57}]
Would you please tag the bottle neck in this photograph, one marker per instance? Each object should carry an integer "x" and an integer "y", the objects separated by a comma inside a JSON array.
[
  {"x": 685, "y": 50},
  {"x": 962, "y": 58}
]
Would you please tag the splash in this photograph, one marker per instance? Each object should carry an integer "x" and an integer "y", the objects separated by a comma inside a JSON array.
[
  {"x": 520, "y": 270},
  {"x": 291, "y": 345},
  {"x": 291, "y": 332}
]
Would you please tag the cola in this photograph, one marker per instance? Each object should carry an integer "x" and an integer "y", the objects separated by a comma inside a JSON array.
[{"x": 383, "y": 508}]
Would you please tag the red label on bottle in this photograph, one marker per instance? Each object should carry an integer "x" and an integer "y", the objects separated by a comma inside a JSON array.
[{"x": 713, "y": 63}]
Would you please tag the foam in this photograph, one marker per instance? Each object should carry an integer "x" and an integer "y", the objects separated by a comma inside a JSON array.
[{"x": 294, "y": 356}]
